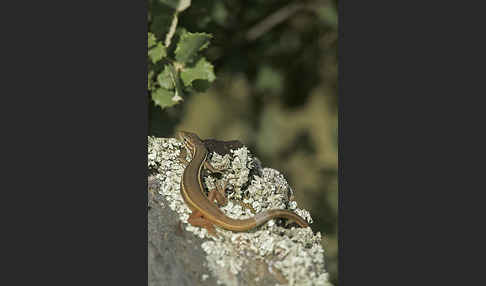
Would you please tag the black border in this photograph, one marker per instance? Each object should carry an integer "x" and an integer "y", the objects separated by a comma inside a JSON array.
[{"x": 76, "y": 156}]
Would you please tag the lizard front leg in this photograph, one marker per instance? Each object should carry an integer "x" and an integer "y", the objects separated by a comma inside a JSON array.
[
  {"x": 182, "y": 157},
  {"x": 197, "y": 219},
  {"x": 211, "y": 168}
]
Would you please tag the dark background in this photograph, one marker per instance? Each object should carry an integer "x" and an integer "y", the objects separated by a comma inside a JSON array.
[
  {"x": 275, "y": 91},
  {"x": 75, "y": 125}
]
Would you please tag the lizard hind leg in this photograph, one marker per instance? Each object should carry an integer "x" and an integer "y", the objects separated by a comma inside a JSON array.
[
  {"x": 196, "y": 219},
  {"x": 218, "y": 194}
]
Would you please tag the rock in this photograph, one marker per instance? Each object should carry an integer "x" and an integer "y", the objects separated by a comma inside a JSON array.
[{"x": 271, "y": 254}]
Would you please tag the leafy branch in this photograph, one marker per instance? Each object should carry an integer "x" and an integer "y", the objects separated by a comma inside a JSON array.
[{"x": 176, "y": 68}]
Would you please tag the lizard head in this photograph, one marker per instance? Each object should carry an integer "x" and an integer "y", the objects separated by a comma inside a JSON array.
[{"x": 190, "y": 140}]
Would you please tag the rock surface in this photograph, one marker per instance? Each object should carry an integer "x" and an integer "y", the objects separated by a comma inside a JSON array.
[
  {"x": 175, "y": 255},
  {"x": 272, "y": 254}
]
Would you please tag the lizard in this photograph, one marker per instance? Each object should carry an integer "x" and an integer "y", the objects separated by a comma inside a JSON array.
[{"x": 205, "y": 213}]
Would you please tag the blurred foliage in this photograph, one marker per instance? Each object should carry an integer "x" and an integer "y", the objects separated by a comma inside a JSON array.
[{"x": 276, "y": 91}]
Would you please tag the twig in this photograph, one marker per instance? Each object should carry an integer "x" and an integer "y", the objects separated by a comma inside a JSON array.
[
  {"x": 172, "y": 29},
  {"x": 271, "y": 21}
]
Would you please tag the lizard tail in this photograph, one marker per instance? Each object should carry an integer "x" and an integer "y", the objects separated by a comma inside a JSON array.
[
  {"x": 257, "y": 220},
  {"x": 263, "y": 217}
]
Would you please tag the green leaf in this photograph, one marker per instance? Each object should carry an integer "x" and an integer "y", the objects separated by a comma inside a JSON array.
[
  {"x": 157, "y": 53},
  {"x": 150, "y": 76},
  {"x": 152, "y": 40},
  {"x": 164, "y": 98},
  {"x": 201, "y": 85},
  {"x": 178, "y": 5},
  {"x": 166, "y": 78},
  {"x": 189, "y": 45},
  {"x": 201, "y": 70}
]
